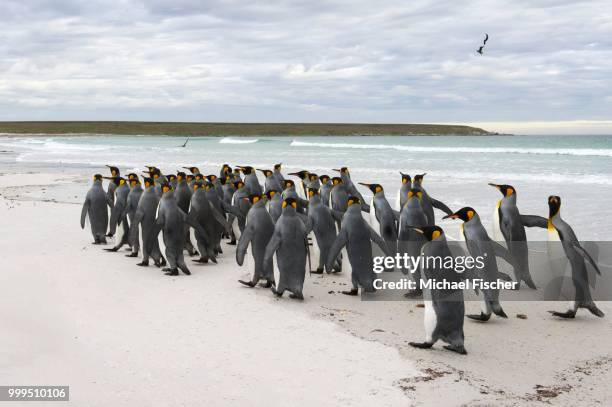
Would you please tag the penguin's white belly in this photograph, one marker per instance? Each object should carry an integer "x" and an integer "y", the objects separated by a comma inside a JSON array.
[
  {"x": 461, "y": 237},
  {"x": 300, "y": 191},
  {"x": 398, "y": 201},
  {"x": 556, "y": 255},
  {"x": 430, "y": 320},
  {"x": 497, "y": 233},
  {"x": 373, "y": 221}
]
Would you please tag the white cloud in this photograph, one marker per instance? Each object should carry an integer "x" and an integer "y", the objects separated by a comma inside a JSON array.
[{"x": 385, "y": 61}]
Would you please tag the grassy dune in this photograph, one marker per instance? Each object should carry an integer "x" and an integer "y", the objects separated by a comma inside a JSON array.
[{"x": 234, "y": 129}]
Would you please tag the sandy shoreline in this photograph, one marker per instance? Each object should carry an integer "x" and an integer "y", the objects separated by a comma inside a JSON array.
[{"x": 123, "y": 335}]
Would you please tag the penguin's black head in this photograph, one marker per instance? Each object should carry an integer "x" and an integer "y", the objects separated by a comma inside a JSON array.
[
  {"x": 336, "y": 181},
  {"x": 375, "y": 188},
  {"x": 114, "y": 170},
  {"x": 290, "y": 202},
  {"x": 193, "y": 170},
  {"x": 406, "y": 179},
  {"x": 312, "y": 192},
  {"x": 97, "y": 177},
  {"x": 313, "y": 177},
  {"x": 278, "y": 166},
  {"x": 418, "y": 179},
  {"x": 131, "y": 176},
  {"x": 415, "y": 193},
  {"x": 267, "y": 173},
  {"x": 302, "y": 174},
  {"x": 134, "y": 181},
  {"x": 352, "y": 200},
  {"x": 270, "y": 194},
  {"x": 288, "y": 183},
  {"x": 211, "y": 178},
  {"x": 189, "y": 177},
  {"x": 154, "y": 172},
  {"x": 116, "y": 180},
  {"x": 198, "y": 185},
  {"x": 342, "y": 170},
  {"x": 247, "y": 170},
  {"x": 254, "y": 198},
  {"x": 430, "y": 232},
  {"x": 226, "y": 169},
  {"x": 506, "y": 190},
  {"x": 465, "y": 214},
  {"x": 171, "y": 177},
  {"x": 166, "y": 187},
  {"x": 554, "y": 205},
  {"x": 148, "y": 182},
  {"x": 238, "y": 184},
  {"x": 199, "y": 177},
  {"x": 324, "y": 179},
  {"x": 181, "y": 176}
]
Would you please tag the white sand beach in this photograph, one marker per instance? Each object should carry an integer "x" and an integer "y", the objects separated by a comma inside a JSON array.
[{"x": 119, "y": 334}]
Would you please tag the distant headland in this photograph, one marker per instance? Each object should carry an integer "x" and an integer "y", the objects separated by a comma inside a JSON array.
[{"x": 234, "y": 129}]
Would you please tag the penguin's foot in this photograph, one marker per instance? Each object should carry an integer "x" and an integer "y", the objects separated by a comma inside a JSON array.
[
  {"x": 166, "y": 269},
  {"x": 595, "y": 311},
  {"x": 143, "y": 263},
  {"x": 172, "y": 272},
  {"x": 249, "y": 284},
  {"x": 318, "y": 271},
  {"x": 276, "y": 292},
  {"x": 500, "y": 313},
  {"x": 213, "y": 259},
  {"x": 203, "y": 259},
  {"x": 482, "y": 317},
  {"x": 134, "y": 254},
  {"x": 421, "y": 345},
  {"x": 416, "y": 293},
  {"x": 456, "y": 348},
  {"x": 232, "y": 242},
  {"x": 109, "y": 234},
  {"x": 568, "y": 314},
  {"x": 298, "y": 296},
  {"x": 267, "y": 284},
  {"x": 162, "y": 262},
  {"x": 185, "y": 271},
  {"x": 353, "y": 291},
  {"x": 112, "y": 249}
]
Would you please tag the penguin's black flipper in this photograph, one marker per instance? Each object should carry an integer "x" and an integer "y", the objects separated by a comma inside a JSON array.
[
  {"x": 440, "y": 205},
  {"x": 192, "y": 221},
  {"x": 337, "y": 215},
  {"x": 243, "y": 243},
  {"x": 334, "y": 251},
  {"x": 534, "y": 221},
  {"x": 379, "y": 241},
  {"x": 220, "y": 218},
  {"x": 84, "y": 211},
  {"x": 501, "y": 251},
  {"x": 586, "y": 256},
  {"x": 272, "y": 246}
]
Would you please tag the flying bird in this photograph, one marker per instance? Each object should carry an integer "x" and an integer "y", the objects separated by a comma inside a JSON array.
[
  {"x": 185, "y": 143},
  {"x": 479, "y": 50}
]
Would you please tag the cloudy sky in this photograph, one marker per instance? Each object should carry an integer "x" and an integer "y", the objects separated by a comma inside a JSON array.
[{"x": 547, "y": 65}]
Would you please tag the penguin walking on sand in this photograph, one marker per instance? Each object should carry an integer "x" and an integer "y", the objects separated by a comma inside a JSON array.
[
  {"x": 183, "y": 193},
  {"x": 382, "y": 218},
  {"x": 272, "y": 182},
  {"x": 402, "y": 195},
  {"x": 444, "y": 308},
  {"x": 202, "y": 212},
  {"x": 228, "y": 195},
  {"x": 290, "y": 245},
  {"x": 325, "y": 190},
  {"x": 480, "y": 245},
  {"x": 409, "y": 240},
  {"x": 562, "y": 236},
  {"x": 322, "y": 223},
  {"x": 428, "y": 202},
  {"x": 132, "y": 205},
  {"x": 219, "y": 225},
  {"x": 257, "y": 234},
  {"x": 508, "y": 226},
  {"x": 171, "y": 221},
  {"x": 119, "y": 214},
  {"x": 95, "y": 208},
  {"x": 145, "y": 220},
  {"x": 357, "y": 236},
  {"x": 274, "y": 204},
  {"x": 240, "y": 207}
]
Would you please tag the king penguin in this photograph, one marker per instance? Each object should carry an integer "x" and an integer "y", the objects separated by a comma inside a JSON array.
[
  {"x": 144, "y": 220},
  {"x": 508, "y": 226},
  {"x": 278, "y": 173},
  {"x": 271, "y": 181},
  {"x": 324, "y": 228},
  {"x": 119, "y": 214},
  {"x": 357, "y": 236},
  {"x": 95, "y": 208},
  {"x": 444, "y": 308},
  {"x": 480, "y": 245},
  {"x": 428, "y": 202},
  {"x": 562, "y": 236},
  {"x": 110, "y": 192},
  {"x": 250, "y": 180},
  {"x": 257, "y": 233},
  {"x": 183, "y": 193},
  {"x": 290, "y": 245},
  {"x": 325, "y": 190},
  {"x": 202, "y": 212},
  {"x": 351, "y": 188},
  {"x": 274, "y": 204},
  {"x": 382, "y": 218},
  {"x": 402, "y": 195},
  {"x": 132, "y": 205},
  {"x": 409, "y": 240}
]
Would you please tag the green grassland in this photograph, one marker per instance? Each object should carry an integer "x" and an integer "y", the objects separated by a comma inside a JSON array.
[{"x": 233, "y": 129}]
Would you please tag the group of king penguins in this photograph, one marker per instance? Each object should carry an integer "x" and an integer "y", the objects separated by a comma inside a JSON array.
[{"x": 315, "y": 223}]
